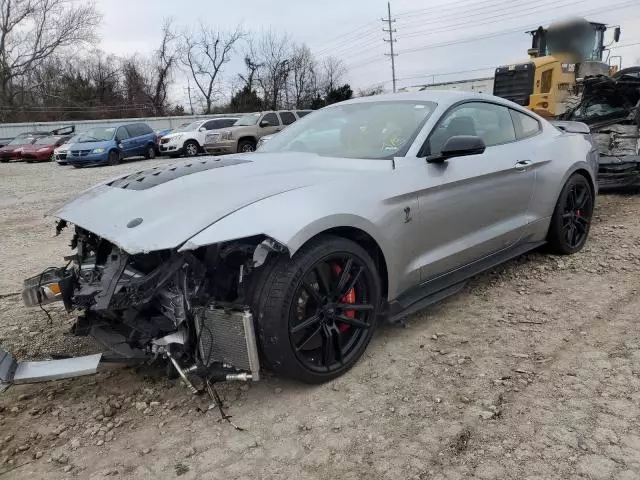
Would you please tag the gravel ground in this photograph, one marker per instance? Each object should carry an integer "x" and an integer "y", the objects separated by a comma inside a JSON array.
[{"x": 532, "y": 372}]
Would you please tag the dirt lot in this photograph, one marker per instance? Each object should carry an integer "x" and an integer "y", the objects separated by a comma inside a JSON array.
[{"x": 532, "y": 372}]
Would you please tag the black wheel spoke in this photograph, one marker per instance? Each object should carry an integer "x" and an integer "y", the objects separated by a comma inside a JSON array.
[
  {"x": 306, "y": 323},
  {"x": 337, "y": 344},
  {"x": 323, "y": 280},
  {"x": 352, "y": 322},
  {"x": 352, "y": 282},
  {"x": 581, "y": 199},
  {"x": 313, "y": 293},
  {"x": 344, "y": 278},
  {"x": 327, "y": 340},
  {"x": 300, "y": 345},
  {"x": 355, "y": 307},
  {"x": 581, "y": 223}
]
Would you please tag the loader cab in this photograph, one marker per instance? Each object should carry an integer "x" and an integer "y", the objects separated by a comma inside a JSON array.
[{"x": 558, "y": 56}]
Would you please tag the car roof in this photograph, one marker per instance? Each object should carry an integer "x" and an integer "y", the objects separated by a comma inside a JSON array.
[{"x": 441, "y": 97}]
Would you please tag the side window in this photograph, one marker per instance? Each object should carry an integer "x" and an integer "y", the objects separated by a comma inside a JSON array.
[
  {"x": 210, "y": 125},
  {"x": 526, "y": 126},
  {"x": 302, "y": 113},
  {"x": 287, "y": 118},
  {"x": 488, "y": 121},
  {"x": 546, "y": 77},
  {"x": 122, "y": 133},
  {"x": 134, "y": 130},
  {"x": 230, "y": 122},
  {"x": 272, "y": 118}
]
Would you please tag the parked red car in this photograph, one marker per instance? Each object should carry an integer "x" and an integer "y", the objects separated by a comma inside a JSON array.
[
  {"x": 42, "y": 149},
  {"x": 13, "y": 150}
]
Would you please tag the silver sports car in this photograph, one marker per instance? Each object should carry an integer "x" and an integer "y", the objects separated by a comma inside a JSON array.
[{"x": 288, "y": 257}]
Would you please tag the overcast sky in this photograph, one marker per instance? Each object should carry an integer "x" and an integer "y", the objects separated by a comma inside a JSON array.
[{"x": 466, "y": 36}]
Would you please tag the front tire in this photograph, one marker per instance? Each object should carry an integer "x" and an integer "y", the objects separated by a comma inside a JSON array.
[
  {"x": 246, "y": 146},
  {"x": 150, "y": 152},
  {"x": 571, "y": 220},
  {"x": 316, "y": 312},
  {"x": 190, "y": 148},
  {"x": 113, "y": 158}
]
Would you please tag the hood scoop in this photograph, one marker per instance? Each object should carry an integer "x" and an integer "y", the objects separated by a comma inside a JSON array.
[{"x": 152, "y": 177}]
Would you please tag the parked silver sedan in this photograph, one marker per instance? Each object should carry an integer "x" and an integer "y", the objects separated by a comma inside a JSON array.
[{"x": 289, "y": 256}]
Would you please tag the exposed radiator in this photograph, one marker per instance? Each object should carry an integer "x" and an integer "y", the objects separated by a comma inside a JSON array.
[{"x": 227, "y": 336}]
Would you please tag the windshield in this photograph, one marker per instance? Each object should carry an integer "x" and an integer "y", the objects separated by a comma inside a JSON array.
[
  {"x": 248, "y": 120},
  {"x": 20, "y": 140},
  {"x": 189, "y": 127},
  {"x": 47, "y": 140},
  {"x": 373, "y": 130},
  {"x": 98, "y": 134}
]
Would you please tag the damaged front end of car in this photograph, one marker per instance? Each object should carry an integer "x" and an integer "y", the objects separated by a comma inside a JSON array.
[
  {"x": 610, "y": 106},
  {"x": 190, "y": 308}
]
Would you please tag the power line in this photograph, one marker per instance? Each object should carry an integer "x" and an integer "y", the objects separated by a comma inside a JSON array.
[
  {"x": 391, "y": 41},
  {"x": 494, "y": 34}
]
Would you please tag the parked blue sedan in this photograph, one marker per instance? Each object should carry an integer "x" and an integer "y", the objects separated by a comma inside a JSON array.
[{"x": 110, "y": 145}]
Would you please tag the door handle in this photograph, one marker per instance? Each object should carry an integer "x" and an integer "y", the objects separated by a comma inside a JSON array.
[{"x": 523, "y": 164}]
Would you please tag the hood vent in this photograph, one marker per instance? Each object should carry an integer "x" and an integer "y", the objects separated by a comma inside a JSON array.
[{"x": 152, "y": 177}]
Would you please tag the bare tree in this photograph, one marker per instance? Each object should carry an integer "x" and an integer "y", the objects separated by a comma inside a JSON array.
[
  {"x": 165, "y": 59},
  {"x": 252, "y": 69},
  {"x": 32, "y": 31},
  {"x": 273, "y": 52},
  {"x": 371, "y": 91},
  {"x": 303, "y": 76},
  {"x": 204, "y": 54},
  {"x": 333, "y": 72}
]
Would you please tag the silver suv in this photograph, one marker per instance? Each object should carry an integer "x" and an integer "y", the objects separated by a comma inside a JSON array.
[{"x": 244, "y": 135}]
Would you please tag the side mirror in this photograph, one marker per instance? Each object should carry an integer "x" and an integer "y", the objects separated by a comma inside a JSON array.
[
  {"x": 202, "y": 129},
  {"x": 459, "y": 146},
  {"x": 264, "y": 123},
  {"x": 616, "y": 34}
]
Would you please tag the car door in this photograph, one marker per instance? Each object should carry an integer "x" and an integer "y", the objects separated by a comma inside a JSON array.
[
  {"x": 125, "y": 142},
  {"x": 274, "y": 124},
  {"x": 479, "y": 203}
]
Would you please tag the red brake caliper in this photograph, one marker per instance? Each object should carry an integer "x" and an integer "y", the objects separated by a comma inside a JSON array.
[{"x": 350, "y": 297}]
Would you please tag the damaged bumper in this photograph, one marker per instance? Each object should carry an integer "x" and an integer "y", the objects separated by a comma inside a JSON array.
[
  {"x": 187, "y": 308},
  {"x": 12, "y": 371},
  {"x": 619, "y": 172}
]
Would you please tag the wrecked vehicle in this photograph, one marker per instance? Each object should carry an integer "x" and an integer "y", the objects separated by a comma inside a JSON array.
[
  {"x": 610, "y": 106},
  {"x": 287, "y": 257}
]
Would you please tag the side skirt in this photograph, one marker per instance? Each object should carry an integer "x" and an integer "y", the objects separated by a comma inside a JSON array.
[{"x": 439, "y": 288}]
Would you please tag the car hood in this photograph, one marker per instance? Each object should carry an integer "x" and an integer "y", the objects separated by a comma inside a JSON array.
[
  {"x": 35, "y": 148},
  {"x": 163, "y": 207},
  {"x": 11, "y": 148},
  {"x": 176, "y": 134},
  {"x": 91, "y": 145}
]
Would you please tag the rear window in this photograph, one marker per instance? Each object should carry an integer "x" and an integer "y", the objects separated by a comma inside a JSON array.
[
  {"x": 526, "y": 126},
  {"x": 287, "y": 118}
]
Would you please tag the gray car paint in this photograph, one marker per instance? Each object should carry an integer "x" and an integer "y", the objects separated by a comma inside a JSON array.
[{"x": 459, "y": 211}]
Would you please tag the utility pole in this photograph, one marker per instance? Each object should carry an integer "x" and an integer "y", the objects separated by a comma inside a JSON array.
[
  {"x": 189, "y": 93},
  {"x": 391, "y": 41}
]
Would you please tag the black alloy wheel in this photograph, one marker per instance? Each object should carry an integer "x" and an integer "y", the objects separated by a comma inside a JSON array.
[
  {"x": 316, "y": 312},
  {"x": 331, "y": 313},
  {"x": 571, "y": 219},
  {"x": 577, "y": 215}
]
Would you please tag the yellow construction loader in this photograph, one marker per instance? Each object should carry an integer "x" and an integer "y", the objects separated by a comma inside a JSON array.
[{"x": 560, "y": 57}]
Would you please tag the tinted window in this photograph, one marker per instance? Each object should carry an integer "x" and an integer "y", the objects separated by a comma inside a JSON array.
[
  {"x": 272, "y": 118},
  {"x": 287, "y": 118},
  {"x": 122, "y": 133},
  {"x": 134, "y": 130},
  {"x": 139, "y": 129},
  {"x": 302, "y": 113},
  {"x": 526, "y": 126},
  {"x": 217, "y": 124},
  {"x": 488, "y": 121}
]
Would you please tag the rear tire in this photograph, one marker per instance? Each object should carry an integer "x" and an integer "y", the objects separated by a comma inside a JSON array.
[
  {"x": 113, "y": 158},
  {"x": 571, "y": 220},
  {"x": 304, "y": 326}
]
